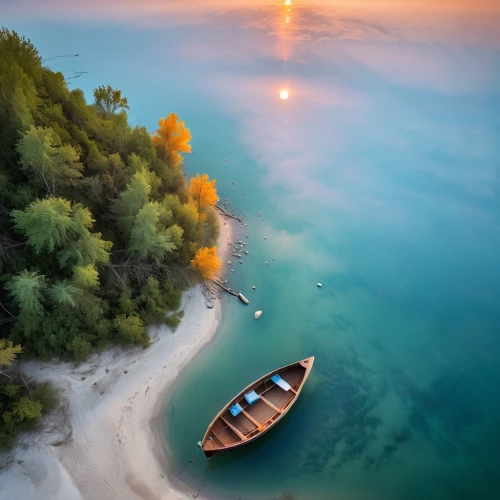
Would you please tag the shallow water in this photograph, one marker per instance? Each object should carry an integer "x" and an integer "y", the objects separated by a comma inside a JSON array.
[{"x": 380, "y": 177}]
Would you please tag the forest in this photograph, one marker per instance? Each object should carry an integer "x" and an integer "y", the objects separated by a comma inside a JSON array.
[{"x": 100, "y": 231}]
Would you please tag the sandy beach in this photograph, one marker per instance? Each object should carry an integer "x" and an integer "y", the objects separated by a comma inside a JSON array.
[{"x": 110, "y": 447}]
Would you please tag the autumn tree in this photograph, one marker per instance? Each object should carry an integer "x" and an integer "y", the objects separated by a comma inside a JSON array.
[
  {"x": 8, "y": 352},
  {"x": 52, "y": 165},
  {"x": 172, "y": 138},
  {"x": 108, "y": 100},
  {"x": 206, "y": 262},
  {"x": 203, "y": 191}
]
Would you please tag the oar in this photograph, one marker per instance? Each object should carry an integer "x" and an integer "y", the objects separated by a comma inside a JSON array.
[{"x": 196, "y": 454}]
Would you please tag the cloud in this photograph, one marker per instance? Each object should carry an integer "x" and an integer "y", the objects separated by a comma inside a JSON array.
[
  {"x": 286, "y": 137},
  {"x": 313, "y": 20}
]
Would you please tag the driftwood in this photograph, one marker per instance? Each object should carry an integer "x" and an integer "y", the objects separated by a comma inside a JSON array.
[
  {"x": 227, "y": 214},
  {"x": 222, "y": 286}
]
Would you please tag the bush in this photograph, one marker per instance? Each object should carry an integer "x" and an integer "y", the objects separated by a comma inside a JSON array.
[
  {"x": 130, "y": 330},
  {"x": 173, "y": 322},
  {"x": 21, "y": 409}
]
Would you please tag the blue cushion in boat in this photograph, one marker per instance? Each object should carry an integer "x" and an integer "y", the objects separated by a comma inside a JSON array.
[
  {"x": 235, "y": 409},
  {"x": 280, "y": 382},
  {"x": 251, "y": 397}
]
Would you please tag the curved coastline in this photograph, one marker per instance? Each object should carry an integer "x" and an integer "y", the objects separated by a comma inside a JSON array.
[{"x": 113, "y": 444}]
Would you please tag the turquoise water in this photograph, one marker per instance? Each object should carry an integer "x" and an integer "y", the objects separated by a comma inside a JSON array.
[{"x": 380, "y": 177}]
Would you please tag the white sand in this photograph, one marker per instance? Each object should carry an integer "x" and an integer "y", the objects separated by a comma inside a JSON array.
[{"x": 113, "y": 451}]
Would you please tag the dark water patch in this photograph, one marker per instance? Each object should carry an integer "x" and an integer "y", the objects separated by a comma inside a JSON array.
[
  {"x": 454, "y": 400},
  {"x": 402, "y": 435},
  {"x": 456, "y": 492},
  {"x": 451, "y": 399},
  {"x": 345, "y": 282},
  {"x": 342, "y": 430},
  {"x": 339, "y": 323},
  {"x": 375, "y": 343}
]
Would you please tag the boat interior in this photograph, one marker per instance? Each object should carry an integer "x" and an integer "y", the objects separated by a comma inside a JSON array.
[{"x": 253, "y": 419}]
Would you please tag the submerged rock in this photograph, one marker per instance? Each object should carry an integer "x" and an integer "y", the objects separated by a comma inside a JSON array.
[
  {"x": 319, "y": 285},
  {"x": 257, "y": 314}
]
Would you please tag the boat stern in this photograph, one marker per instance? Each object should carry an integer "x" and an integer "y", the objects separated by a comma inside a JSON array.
[{"x": 209, "y": 453}]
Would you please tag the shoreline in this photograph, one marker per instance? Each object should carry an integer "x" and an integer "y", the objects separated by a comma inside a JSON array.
[{"x": 113, "y": 444}]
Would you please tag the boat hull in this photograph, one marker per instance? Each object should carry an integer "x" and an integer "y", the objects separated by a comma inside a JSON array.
[{"x": 228, "y": 432}]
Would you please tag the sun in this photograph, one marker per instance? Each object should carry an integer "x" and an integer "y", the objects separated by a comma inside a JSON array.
[{"x": 284, "y": 94}]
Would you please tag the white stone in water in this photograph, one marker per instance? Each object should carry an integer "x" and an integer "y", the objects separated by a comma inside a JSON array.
[
  {"x": 267, "y": 263},
  {"x": 257, "y": 314},
  {"x": 265, "y": 237},
  {"x": 228, "y": 262},
  {"x": 319, "y": 285},
  {"x": 254, "y": 288}
]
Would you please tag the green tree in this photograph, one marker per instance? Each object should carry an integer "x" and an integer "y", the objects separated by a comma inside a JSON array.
[
  {"x": 46, "y": 223},
  {"x": 131, "y": 330},
  {"x": 52, "y": 224},
  {"x": 151, "y": 302},
  {"x": 86, "y": 276},
  {"x": 147, "y": 239},
  {"x": 108, "y": 100},
  {"x": 26, "y": 409},
  {"x": 27, "y": 289},
  {"x": 135, "y": 196},
  {"x": 96, "y": 162},
  {"x": 53, "y": 166},
  {"x": 64, "y": 292},
  {"x": 84, "y": 247}
]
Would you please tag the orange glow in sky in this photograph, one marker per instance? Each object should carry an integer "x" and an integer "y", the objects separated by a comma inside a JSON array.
[{"x": 284, "y": 94}]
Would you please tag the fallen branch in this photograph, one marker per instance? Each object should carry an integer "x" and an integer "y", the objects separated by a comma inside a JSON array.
[
  {"x": 222, "y": 286},
  {"x": 227, "y": 214}
]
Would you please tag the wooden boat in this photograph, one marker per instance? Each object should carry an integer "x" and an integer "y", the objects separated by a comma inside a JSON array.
[{"x": 256, "y": 409}]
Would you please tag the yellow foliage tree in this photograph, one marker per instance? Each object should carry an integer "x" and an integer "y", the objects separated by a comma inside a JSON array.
[
  {"x": 206, "y": 262},
  {"x": 172, "y": 138},
  {"x": 203, "y": 191},
  {"x": 8, "y": 352}
]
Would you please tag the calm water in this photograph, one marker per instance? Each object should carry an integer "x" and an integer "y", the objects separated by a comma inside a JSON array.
[{"x": 380, "y": 177}]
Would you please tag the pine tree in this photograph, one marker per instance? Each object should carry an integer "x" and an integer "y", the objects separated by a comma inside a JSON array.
[
  {"x": 26, "y": 288},
  {"x": 46, "y": 223},
  {"x": 51, "y": 166}
]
